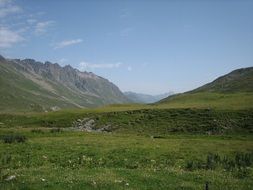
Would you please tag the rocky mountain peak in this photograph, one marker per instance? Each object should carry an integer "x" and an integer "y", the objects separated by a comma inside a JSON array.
[{"x": 65, "y": 86}]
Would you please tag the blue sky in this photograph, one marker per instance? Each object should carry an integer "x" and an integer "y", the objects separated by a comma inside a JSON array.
[{"x": 143, "y": 46}]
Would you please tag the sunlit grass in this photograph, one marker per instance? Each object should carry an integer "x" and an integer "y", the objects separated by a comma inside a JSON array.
[{"x": 117, "y": 161}]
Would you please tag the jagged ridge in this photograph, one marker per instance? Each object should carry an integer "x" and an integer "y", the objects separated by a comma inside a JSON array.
[{"x": 32, "y": 85}]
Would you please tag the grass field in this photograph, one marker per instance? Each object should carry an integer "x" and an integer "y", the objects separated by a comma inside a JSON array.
[
  {"x": 147, "y": 148},
  {"x": 79, "y": 160}
]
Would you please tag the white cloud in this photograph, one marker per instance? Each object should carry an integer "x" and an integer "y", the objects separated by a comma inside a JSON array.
[
  {"x": 16, "y": 25},
  {"x": 9, "y": 38},
  {"x": 62, "y": 60},
  {"x": 129, "y": 68},
  {"x": 7, "y": 8},
  {"x": 42, "y": 27},
  {"x": 85, "y": 65},
  {"x": 66, "y": 43}
]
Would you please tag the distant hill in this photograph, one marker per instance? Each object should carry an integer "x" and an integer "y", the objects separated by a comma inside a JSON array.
[
  {"x": 240, "y": 80},
  {"x": 29, "y": 85},
  {"x": 145, "y": 98},
  {"x": 233, "y": 90}
]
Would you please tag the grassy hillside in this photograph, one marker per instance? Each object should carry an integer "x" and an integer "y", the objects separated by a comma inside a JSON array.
[
  {"x": 19, "y": 93},
  {"x": 240, "y": 80},
  {"x": 223, "y": 101},
  {"x": 142, "y": 121},
  {"x": 231, "y": 91}
]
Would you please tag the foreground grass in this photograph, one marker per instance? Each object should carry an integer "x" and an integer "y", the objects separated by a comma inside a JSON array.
[
  {"x": 77, "y": 160},
  {"x": 148, "y": 148}
]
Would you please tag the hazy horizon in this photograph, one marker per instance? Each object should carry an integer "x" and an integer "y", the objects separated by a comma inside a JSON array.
[{"x": 149, "y": 47}]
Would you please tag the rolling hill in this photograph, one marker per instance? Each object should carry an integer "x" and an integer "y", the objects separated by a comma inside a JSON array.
[
  {"x": 240, "y": 80},
  {"x": 28, "y": 85},
  {"x": 233, "y": 90}
]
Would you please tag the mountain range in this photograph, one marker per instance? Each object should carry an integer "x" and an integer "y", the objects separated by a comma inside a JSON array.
[
  {"x": 145, "y": 98},
  {"x": 29, "y": 85}
]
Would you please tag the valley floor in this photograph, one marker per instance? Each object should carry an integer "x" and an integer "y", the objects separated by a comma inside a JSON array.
[{"x": 80, "y": 160}]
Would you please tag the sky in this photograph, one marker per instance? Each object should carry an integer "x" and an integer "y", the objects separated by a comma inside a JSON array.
[{"x": 152, "y": 46}]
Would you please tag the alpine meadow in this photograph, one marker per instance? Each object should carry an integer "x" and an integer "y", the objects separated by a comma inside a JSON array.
[{"x": 126, "y": 95}]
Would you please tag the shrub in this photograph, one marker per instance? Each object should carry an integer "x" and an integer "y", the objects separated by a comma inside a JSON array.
[
  {"x": 237, "y": 164},
  {"x": 212, "y": 161},
  {"x": 242, "y": 173},
  {"x": 193, "y": 165},
  {"x": 14, "y": 138},
  {"x": 243, "y": 160}
]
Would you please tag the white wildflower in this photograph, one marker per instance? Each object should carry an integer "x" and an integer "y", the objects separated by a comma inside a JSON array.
[{"x": 10, "y": 178}]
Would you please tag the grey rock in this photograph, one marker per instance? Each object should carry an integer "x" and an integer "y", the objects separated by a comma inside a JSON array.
[{"x": 89, "y": 125}]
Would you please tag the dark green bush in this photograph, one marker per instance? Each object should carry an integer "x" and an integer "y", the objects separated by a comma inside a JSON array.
[
  {"x": 194, "y": 165},
  {"x": 212, "y": 161},
  {"x": 11, "y": 138},
  {"x": 242, "y": 173},
  {"x": 237, "y": 164},
  {"x": 243, "y": 160}
]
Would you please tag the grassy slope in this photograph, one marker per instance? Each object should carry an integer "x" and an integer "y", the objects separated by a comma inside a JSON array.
[
  {"x": 235, "y": 101},
  {"x": 240, "y": 80},
  {"x": 143, "y": 121},
  {"x": 231, "y": 91},
  {"x": 17, "y": 93}
]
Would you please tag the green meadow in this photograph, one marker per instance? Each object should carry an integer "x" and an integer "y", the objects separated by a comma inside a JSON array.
[
  {"x": 79, "y": 160},
  {"x": 146, "y": 147}
]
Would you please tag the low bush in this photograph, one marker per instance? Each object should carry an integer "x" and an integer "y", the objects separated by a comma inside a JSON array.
[
  {"x": 194, "y": 165},
  {"x": 238, "y": 164},
  {"x": 242, "y": 172},
  {"x": 12, "y": 138}
]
